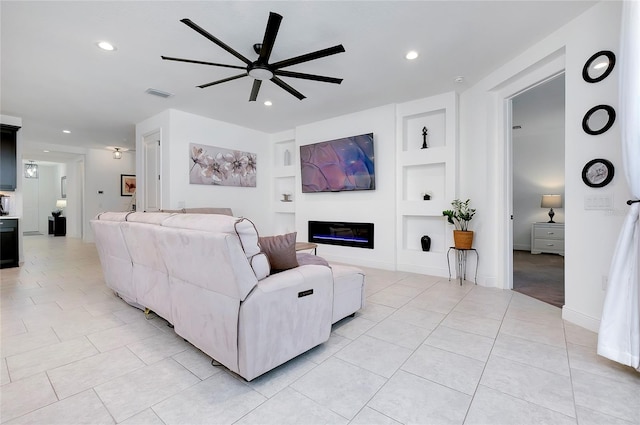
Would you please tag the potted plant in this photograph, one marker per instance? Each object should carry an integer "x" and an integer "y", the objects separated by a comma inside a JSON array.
[{"x": 460, "y": 216}]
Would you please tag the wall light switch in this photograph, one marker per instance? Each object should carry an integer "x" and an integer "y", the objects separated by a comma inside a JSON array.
[{"x": 598, "y": 202}]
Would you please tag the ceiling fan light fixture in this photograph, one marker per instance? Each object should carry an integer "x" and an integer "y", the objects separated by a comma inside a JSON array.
[{"x": 261, "y": 73}]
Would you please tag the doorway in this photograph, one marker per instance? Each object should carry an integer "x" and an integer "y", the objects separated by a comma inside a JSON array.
[
  {"x": 152, "y": 185},
  {"x": 537, "y": 139}
]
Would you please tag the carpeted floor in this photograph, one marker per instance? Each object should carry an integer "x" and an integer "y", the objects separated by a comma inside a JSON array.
[{"x": 540, "y": 276}]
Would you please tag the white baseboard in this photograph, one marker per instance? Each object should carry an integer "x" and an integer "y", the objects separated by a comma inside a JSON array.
[
  {"x": 431, "y": 271},
  {"x": 577, "y": 318},
  {"x": 359, "y": 262}
]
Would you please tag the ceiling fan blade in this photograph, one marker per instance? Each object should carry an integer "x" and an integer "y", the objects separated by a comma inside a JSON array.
[
  {"x": 291, "y": 74},
  {"x": 169, "y": 58},
  {"x": 224, "y": 80},
  {"x": 204, "y": 33},
  {"x": 277, "y": 81},
  {"x": 254, "y": 90},
  {"x": 273, "y": 25},
  {"x": 308, "y": 57}
]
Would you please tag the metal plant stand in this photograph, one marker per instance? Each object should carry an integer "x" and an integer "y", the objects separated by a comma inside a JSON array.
[{"x": 461, "y": 263}]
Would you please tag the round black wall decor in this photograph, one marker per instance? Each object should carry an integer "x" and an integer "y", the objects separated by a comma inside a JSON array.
[
  {"x": 597, "y": 172},
  {"x": 598, "y": 119},
  {"x": 599, "y": 66}
]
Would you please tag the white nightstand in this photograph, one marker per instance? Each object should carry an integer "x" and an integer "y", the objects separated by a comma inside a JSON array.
[{"x": 547, "y": 237}]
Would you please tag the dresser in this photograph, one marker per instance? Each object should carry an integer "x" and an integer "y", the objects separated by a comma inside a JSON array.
[{"x": 548, "y": 238}]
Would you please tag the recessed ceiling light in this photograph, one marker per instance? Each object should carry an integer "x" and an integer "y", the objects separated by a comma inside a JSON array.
[
  {"x": 45, "y": 151},
  {"x": 105, "y": 45},
  {"x": 411, "y": 55},
  {"x": 268, "y": 103},
  {"x": 459, "y": 79},
  {"x": 66, "y": 131}
]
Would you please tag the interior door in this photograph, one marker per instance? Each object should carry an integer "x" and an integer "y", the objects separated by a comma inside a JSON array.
[{"x": 152, "y": 193}]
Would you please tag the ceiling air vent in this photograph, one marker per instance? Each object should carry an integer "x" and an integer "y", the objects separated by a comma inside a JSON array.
[{"x": 158, "y": 93}]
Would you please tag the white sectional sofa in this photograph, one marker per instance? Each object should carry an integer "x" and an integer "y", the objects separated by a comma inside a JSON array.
[{"x": 207, "y": 276}]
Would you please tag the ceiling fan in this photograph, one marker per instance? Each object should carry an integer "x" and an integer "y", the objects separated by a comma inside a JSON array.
[{"x": 260, "y": 69}]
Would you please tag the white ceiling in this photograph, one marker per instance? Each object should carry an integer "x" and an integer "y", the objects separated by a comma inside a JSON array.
[{"x": 54, "y": 77}]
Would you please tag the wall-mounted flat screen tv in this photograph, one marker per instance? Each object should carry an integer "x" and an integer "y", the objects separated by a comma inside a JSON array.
[{"x": 338, "y": 165}]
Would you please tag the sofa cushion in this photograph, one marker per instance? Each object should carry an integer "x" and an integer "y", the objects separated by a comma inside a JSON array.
[{"x": 280, "y": 250}]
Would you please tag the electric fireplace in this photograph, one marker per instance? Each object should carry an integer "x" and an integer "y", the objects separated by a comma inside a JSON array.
[{"x": 358, "y": 235}]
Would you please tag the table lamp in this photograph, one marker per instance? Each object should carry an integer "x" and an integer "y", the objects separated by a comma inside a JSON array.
[
  {"x": 551, "y": 202},
  {"x": 61, "y": 204}
]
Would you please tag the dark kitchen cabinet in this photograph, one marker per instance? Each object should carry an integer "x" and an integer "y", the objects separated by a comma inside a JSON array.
[
  {"x": 8, "y": 242},
  {"x": 8, "y": 159}
]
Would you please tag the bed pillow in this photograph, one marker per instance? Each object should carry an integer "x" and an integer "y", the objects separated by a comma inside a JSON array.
[{"x": 280, "y": 250}]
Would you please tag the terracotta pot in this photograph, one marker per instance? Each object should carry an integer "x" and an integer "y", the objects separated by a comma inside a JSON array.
[{"x": 463, "y": 239}]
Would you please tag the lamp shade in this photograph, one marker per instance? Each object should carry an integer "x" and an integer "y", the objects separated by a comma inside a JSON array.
[
  {"x": 551, "y": 201},
  {"x": 61, "y": 203}
]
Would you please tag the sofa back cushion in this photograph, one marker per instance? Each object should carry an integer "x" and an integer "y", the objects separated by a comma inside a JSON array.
[
  {"x": 213, "y": 261},
  {"x": 243, "y": 228},
  {"x": 223, "y": 211}
]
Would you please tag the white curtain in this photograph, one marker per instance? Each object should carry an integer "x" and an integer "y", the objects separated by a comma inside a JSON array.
[{"x": 619, "y": 337}]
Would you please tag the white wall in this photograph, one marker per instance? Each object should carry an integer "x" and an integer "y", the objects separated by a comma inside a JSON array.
[
  {"x": 377, "y": 206},
  {"x": 590, "y": 236},
  {"x": 178, "y": 130},
  {"x": 103, "y": 174}
]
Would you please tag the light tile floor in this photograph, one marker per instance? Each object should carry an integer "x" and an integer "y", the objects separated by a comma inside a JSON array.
[{"x": 423, "y": 351}]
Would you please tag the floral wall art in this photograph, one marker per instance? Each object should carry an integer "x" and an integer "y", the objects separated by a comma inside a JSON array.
[{"x": 222, "y": 167}]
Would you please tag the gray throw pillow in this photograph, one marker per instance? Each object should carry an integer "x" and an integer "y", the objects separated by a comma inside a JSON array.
[{"x": 280, "y": 250}]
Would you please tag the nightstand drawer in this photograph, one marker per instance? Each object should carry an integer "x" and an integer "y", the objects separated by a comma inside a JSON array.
[
  {"x": 543, "y": 232},
  {"x": 548, "y": 245}
]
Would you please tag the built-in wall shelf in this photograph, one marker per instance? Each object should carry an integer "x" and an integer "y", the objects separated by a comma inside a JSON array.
[
  {"x": 288, "y": 171},
  {"x": 284, "y": 153},
  {"x": 413, "y": 123},
  {"x": 432, "y": 171},
  {"x": 414, "y": 227},
  {"x": 283, "y": 181},
  {"x": 424, "y": 156},
  {"x": 284, "y": 222},
  {"x": 424, "y": 179}
]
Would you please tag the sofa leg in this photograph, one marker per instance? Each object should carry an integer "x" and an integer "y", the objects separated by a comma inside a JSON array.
[
  {"x": 215, "y": 363},
  {"x": 352, "y": 314},
  {"x": 148, "y": 314}
]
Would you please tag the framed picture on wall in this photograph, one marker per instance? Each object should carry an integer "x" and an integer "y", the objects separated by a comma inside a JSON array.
[{"x": 127, "y": 184}]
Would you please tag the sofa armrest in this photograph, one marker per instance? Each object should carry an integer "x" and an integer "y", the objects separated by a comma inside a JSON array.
[{"x": 285, "y": 315}]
